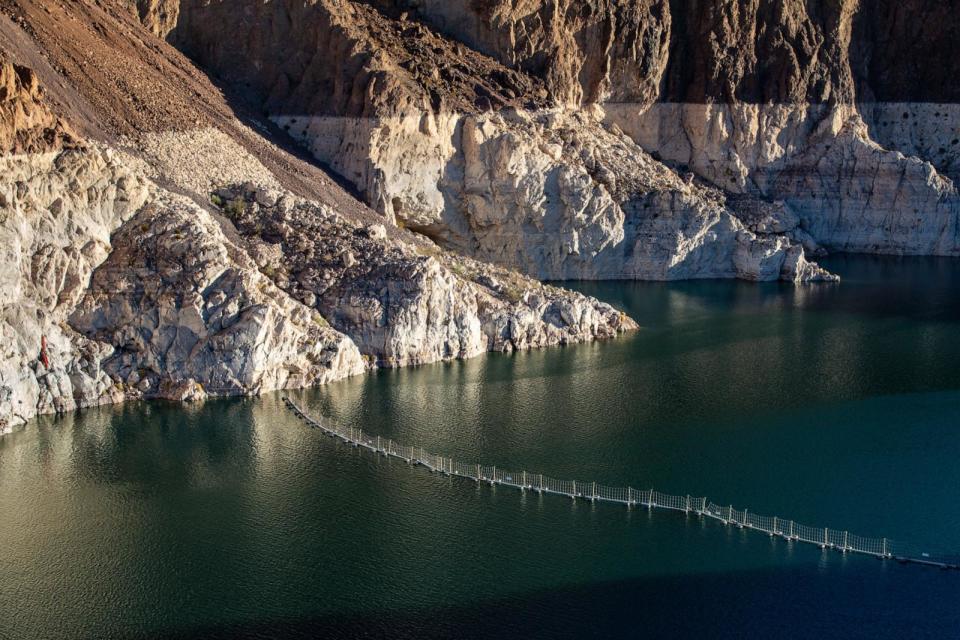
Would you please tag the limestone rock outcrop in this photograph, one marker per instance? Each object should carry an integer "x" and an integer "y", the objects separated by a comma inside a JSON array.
[
  {"x": 556, "y": 195},
  {"x": 180, "y": 303},
  {"x": 57, "y": 211},
  {"x": 59, "y": 216},
  {"x": 406, "y": 303},
  {"x": 739, "y": 93}
]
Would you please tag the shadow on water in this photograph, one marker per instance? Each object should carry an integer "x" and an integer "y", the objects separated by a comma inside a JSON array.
[
  {"x": 797, "y": 602},
  {"x": 909, "y": 287}
]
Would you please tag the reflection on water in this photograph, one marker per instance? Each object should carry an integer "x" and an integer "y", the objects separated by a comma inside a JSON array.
[{"x": 831, "y": 404}]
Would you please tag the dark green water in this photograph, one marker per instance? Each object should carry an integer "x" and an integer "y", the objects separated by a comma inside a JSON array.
[{"x": 833, "y": 405}]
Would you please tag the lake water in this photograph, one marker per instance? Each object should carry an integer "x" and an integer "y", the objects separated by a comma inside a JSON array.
[{"x": 835, "y": 405}]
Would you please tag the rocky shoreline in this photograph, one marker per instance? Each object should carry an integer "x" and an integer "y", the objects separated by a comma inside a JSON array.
[
  {"x": 233, "y": 197},
  {"x": 117, "y": 288}
]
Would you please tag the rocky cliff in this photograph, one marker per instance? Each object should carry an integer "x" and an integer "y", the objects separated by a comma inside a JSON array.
[
  {"x": 487, "y": 150},
  {"x": 478, "y": 124},
  {"x": 28, "y": 125},
  {"x": 155, "y": 245},
  {"x": 203, "y": 196}
]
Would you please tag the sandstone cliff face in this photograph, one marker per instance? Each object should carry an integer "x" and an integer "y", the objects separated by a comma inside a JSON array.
[
  {"x": 760, "y": 52},
  {"x": 641, "y": 51}
]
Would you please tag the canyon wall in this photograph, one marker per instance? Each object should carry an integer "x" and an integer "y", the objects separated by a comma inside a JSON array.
[
  {"x": 478, "y": 124},
  {"x": 155, "y": 246},
  {"x": 486, "y": 159},
  {"x": 164, "y": 238}
]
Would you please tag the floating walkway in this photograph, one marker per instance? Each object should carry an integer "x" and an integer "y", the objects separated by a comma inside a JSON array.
[{"x": 823, "y": 537}]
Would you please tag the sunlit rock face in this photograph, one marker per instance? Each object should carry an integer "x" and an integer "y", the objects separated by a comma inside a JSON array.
[
  {"x": 91, "y": 244},
  {"x": 116, "y": 288},
  {"x": 58, "y": 211},
  {"x": 182, "y": 303},
  {"x": 558, "y": 195},
  {"x": 559, "y": 138},
  {"x": 408, "y": 303},
  {"x": 485, "y": 159}
]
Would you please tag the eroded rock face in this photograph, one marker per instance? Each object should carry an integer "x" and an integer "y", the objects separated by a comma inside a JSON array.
[
  {"x": 853, "y": 195},
  {"x": 115, "y": 288},
  {"x": 120, "y": 279},
  {"x": 184, "y": 306},
  {"x": 553, "y": 194},
  {"x": 426, "y": 117},
  {"x": 27, "y": 125},
  {"x": 585, "y": 51},
  {"x": 160, "y": 16},
  {"x": 57, "y": 211},
  {"x": 344, "y": 58},
  {"x": 407, "y": 303}
]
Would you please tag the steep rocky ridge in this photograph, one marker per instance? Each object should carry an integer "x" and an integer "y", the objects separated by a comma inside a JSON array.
[
  {"x": 125, "y": 278},
  {"x": 585, "y": 51},
  {"x": 737, "y": 91},
  {"x": 411, "y": 118},
  {"x": 343, "y": 58},
  {"x": 403, "y": 303}
]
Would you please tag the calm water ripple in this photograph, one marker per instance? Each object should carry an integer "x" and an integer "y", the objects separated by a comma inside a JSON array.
[{"x": 833, "y": 404}]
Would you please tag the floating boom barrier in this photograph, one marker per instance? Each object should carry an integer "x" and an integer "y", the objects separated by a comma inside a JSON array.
[{"x": 823, "y": 537}]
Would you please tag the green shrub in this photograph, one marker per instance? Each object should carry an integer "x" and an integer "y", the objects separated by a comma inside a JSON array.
[{"x": 236, "y": 207}]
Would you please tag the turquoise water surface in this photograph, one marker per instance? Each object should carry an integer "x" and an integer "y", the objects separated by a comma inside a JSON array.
[{"x": 834, "y": 405}]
